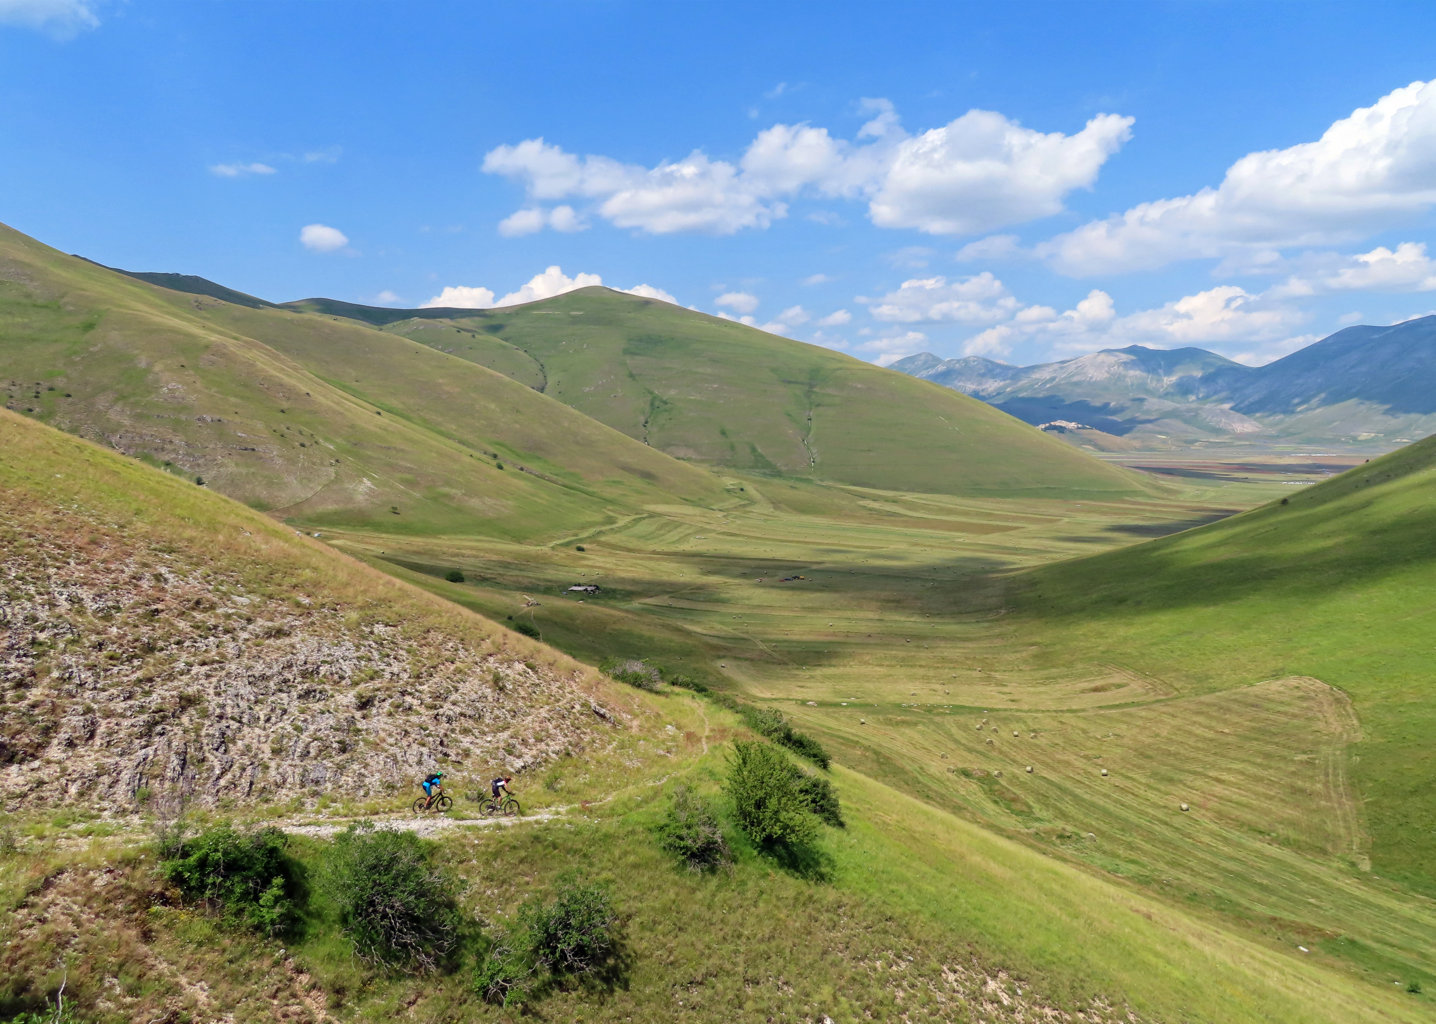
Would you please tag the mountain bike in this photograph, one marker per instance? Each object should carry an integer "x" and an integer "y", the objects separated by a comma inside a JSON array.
[
  {"x": 441, "y": 802},
  {"x": 508, "y": 807}
]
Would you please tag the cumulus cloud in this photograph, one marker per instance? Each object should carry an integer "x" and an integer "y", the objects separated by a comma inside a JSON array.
[
  {"x": 648, "y": 291},
  {"x": 813, "y": 279},
  {"x": 240, "y": 170},
  {"x": 553, "y": 281},
  {"x": 838, "y": 318},
  {"x": 462, "y": 297},
  {"x": 739, "y": 302},
  {"x": 979, "y": 299},
  {"x": 533, "y": 218},
  {"x": 322, "y": 238},
  {"x": 1407, "y": 268},
  {"x": 1225, "y": 317},
  {"x": 60, "y": 19},
  {"x": 387, "y": 298},
  {"x": 889, "y": 348},
  {"x": 983, "y": 171},
  {"x": 976, "y": 173},
  {"x": 1367, "y": 172}
]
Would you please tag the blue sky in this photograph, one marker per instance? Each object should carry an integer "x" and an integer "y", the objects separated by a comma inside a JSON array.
[{"x": 1024, "y": 181}]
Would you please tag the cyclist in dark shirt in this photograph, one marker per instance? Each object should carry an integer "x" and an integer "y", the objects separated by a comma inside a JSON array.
[{"x": 501, "y": 785}]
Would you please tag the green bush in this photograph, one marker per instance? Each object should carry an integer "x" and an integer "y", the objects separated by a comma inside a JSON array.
[
  {"x": 775, "y": 725},
  {"x": 770, "y": 808},
  {"x": 576, "y": 933},
  {"x": 635, "y": 673},
  {"x": 395, "y": 906},
  {"x": 66, "y": 1015},
  {"x": 505, "y": 973},
  {"x": 246, "y": 875},
  {"x": 691, "y": 832},
  {"x": 527, "y": 629},
  {"x": 454, "y": 576},
  {"x": 818, "y": 793}
]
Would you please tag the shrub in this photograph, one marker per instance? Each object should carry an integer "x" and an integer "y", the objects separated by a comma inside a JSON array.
[
  {"x": 775, "y": 725},
  {"x": 820, "y": 797},
  {"x": 576, "y": 933},
  {"x": 763, "y": 785},
  {"x": 527, "y": 629},
  {"x": 635, "y": 673},
  {"x": 579, "y": 547},
  {"x": 454, "y": 576},
  {"x": 393, "y": 904},
  {"x": 504, "y": 974},
  {"x": 246, "y": 875},
  {"x": 691, "y": 832}
]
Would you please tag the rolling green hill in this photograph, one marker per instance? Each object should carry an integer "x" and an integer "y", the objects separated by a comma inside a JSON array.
[
  {"x": 319, "y": 419},
  {"x": 1334, "y": 582},
  {"x": 720, "y": 393},
  {"x": 198, "y": 647}
]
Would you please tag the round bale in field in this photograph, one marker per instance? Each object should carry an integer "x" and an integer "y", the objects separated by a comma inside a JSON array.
[
  {"x": 1104, "y": 773},
  {"x": 1185, "y": 807},
  {"x": 1029, "y": 769},
  {"x": 1014, "y": 734}
]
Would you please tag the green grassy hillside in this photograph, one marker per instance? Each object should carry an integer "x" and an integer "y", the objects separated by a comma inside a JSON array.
[
  {"x": 319, "y": 419},
  {"x": 1333, "y": 582},
  {"x": 922, "y": 916},
  {"x": 720, "y": 393}
]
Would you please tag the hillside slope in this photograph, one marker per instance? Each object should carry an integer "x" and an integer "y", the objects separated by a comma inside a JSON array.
[
  {"x": 1334, "y": 583},
  {"x": 320, "y": 419},
  {"x": 157, "y": 639},
  {"x": 716, "y": 392}
]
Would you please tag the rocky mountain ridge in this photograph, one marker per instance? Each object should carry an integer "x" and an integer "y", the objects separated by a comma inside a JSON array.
[{"x": 1362, "y": 385}]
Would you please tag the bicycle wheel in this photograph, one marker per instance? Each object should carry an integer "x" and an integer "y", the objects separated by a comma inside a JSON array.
[
  {"x": 418, "y": 805},
  {"x": 510, "y": 808},
  {"x": 488, "y": 808},
  {"x": 444, "y": 803}
]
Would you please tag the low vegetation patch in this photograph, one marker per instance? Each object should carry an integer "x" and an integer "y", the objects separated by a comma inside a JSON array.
[
  {"x": 396, "y": 907},
  {"x": 247, "y": 876},
  {"x": 691, "y": 832}
]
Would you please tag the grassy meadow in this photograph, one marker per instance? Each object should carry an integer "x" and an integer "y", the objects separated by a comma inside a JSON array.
[{"x": 905, "y": 631}]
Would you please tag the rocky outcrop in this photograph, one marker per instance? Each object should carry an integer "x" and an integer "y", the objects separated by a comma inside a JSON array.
[{"x": 132, "y": 674}]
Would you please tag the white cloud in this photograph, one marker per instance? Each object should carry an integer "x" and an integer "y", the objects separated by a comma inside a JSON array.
[
  {"x": 993, "y": 247},
  {"x": 979, "y": 299},
  {"x": 890, "y": 348},
  {"x": 532, "y": 218},
  {"x": 240, "y": 170},
  {"x": 1225, "y": 317},
  {"x": 61, "y": 19},
  {"x": 1407, "y": 268},
  {"x": 522, "y": 222},
  {"x": 838, "y": 318},
  {"x": 983, "y": 171},
  {"x": 910, "y": 257},
  {"x": 648, "y": 291},
  {"x": 794, "y": 315},
  {"x": 322, "y": 238},
  {"x": 553, "y": 281},
  {"x": 740, "y": 302},
  {"x": 387, "y": 298},
  {"x": 976, "y": 173},
  {"x": 1367, "y": 172},
  {"x": 462, "y": 297},
  {"x": 813, "y": 279}
]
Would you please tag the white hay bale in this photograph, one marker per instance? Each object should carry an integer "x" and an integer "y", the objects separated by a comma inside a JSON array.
[
  {"x": 1185, "y": 807},
  {"x": 1029, "y": 769},
  {"x": 1104, "y": 773}
]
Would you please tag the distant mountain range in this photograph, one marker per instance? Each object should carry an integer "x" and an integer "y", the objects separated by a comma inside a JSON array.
[{"x": 1368, "y": 387}]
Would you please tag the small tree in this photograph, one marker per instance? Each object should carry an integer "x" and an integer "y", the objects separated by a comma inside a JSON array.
[
  {"x": 764, "y": 787},
  {"x": 393, "y": 904},
  {"x": 454, "y": 576}
]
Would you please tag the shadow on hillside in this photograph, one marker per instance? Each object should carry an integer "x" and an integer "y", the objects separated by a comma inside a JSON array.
[
  {"x": 1271, "y": 556},
  {"x": 1169, "y": 528}
]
